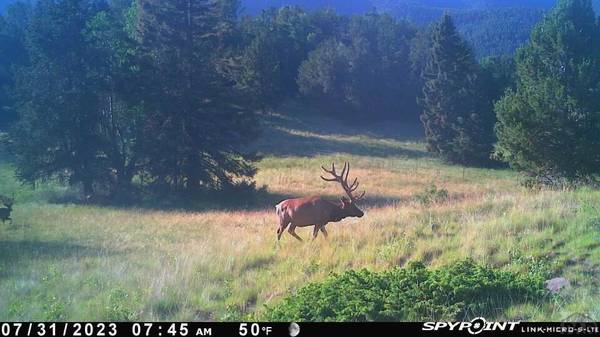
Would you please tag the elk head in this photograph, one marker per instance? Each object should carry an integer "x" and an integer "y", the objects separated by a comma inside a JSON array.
[
  {"x": 8, "y": 203},
  {"x": 348, "y": 205}
]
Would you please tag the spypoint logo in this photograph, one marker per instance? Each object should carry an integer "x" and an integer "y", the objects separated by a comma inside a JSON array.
[
  {"x": 474, "y": 327},
  {"x": 477, "y": 326}
]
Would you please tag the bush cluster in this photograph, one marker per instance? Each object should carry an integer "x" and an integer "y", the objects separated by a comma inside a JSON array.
[
  {"x": 458, "y": 291},
  {"x": 431, "y": 194}
]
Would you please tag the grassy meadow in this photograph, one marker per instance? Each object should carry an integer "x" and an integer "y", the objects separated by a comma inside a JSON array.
[{"x": 66, "y": 261}]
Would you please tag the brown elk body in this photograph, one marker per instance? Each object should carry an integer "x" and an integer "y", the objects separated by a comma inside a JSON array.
[{"x": 316, "y": 211}]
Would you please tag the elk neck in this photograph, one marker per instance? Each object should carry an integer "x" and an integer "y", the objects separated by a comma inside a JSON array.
[{"x": 338, "y": 212}]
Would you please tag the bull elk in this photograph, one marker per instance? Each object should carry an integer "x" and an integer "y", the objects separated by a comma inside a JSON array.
[{"x": 316, "y": 211}]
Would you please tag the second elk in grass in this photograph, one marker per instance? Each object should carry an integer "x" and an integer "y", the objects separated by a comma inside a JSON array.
[
  {"x": 6, "y": 210},
  {"x": 316, "y": 211}
]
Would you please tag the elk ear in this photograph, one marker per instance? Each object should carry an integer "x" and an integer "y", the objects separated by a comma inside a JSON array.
[{"x": 344, "y": 202}]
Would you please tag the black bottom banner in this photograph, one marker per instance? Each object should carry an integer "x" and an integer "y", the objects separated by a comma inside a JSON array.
[{"x": 478, "y": 326}]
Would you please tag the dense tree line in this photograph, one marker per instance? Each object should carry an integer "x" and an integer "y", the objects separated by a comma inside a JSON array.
[
  {"x": 345, "y": 66},
  {"x": 274, "y": 44},
  {"x": 166, "y": 94},
  {"x": 108, "y": 95},
  {"x": 365, "y": 72},
  {"x": 113, "y": 92}
]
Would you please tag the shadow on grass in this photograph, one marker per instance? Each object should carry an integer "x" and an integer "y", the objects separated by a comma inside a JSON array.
[
  {"x": 307, "y": 145},
  {"x": 14, "y": 252},
  {"x": 285, "y": 136},
  {"x": 255, "y": 200},
  {"x": 389, "y": 129},
  {"x": 258, "y": 200},
  {"x": 258, "y": 263}
]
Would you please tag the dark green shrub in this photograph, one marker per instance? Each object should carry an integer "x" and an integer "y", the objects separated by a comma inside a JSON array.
[
  {"x": 432, "y": 194},
  {"x": 464, "y": 289}
]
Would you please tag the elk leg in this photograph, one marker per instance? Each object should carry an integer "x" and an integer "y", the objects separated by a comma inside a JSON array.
[
  {"x": 324, "y": 231},
  {"x": 315, "y": 232},
  {"x": 292, "y": 231},
  {"x": 280, "y": 230}
]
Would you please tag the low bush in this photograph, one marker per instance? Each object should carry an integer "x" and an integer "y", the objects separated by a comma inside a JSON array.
[
  {"x": 415, "y": 293},
  {"x": 431, "y": 194}
]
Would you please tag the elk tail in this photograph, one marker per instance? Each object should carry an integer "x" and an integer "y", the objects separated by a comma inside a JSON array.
[{"x": 278, "y": 209}]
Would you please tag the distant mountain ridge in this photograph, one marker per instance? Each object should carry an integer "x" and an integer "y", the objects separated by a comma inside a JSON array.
[
  {"x": 468, "y": 4},
  {"x": 253, "y": 7}
]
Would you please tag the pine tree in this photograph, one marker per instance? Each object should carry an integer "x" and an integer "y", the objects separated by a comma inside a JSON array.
[
  {"x": 114, "y": 69},
  {"x": 58, "y": 105},
  {"x": 549, "y": 126},
  {"x": 194, "y": 132},
  {"x": 77, "y": 121},
  {"x": 457, "y": 116},
  {"x": 13, "y": 55}
]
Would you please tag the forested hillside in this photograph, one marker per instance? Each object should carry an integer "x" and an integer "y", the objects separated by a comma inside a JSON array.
[
  {"x": 497, "y": 31},
  {"x": 254, "y": 7},
  {"x": 492, "y": 27},
  {"x": 358, "y": 6}
]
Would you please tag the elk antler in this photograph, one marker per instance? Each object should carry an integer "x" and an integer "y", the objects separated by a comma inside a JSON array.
[{"x": 343, "y": 180}]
